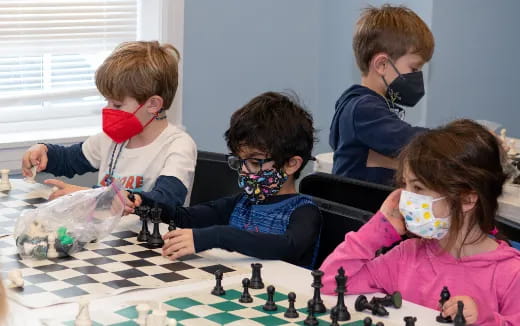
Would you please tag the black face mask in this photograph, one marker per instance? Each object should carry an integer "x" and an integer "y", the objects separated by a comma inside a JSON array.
[{"x": 406, "y": 89}]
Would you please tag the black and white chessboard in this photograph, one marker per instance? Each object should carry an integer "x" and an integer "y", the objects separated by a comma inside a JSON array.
[
  {"x": 116, "y": 264},
  {"x": 22, "y": 196}
]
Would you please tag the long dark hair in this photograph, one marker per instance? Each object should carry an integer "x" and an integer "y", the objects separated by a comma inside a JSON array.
[{"x": 460, "y": 158}]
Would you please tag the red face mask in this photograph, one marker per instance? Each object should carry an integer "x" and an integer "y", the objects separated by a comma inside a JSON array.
[{"x": 121, "y": 125}]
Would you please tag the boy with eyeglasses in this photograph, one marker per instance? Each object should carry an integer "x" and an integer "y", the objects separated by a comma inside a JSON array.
[{"x": 271, "y": 140}]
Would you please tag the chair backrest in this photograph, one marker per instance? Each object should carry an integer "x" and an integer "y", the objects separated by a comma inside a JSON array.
[
  {"x": 354, "y": 193},
  {"x": 338, "y": 219},
  {"x": 213, "y": 178}
]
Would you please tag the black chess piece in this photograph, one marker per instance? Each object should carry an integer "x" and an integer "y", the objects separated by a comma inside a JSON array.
[
  {"x": 445, "y": 296},
  {"x": 155, "y": 239},
  {"x": 459, "y": 319},
  {"x": 390, "y": 300},
  {"x": 367, "y": 321},
  {"x": 376, "y": 308},
  {"x": 246, "y": 297},
  {"x": 319, "y": 307},
  {"x": 218, "y": 289},
  {"x": 291, "y": 312},
  {"x": 341, "y": 282},
  {"x": 311, "y": 319},
  {"x": 380, "y": 323},
  {"x": 409, "y": 320},
  {"x": 171, "y": 225},
  {"x": 334, "y": 317},
  {"x": 270, "y": 305},
  {"x": 143, "y": 213},
  {"x": 256, "y": 277}
]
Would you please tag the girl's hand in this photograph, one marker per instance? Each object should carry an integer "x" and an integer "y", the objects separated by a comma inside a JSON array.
[
  {"x": 470, "y": 308},
  {"x": 390, "y": 210}
]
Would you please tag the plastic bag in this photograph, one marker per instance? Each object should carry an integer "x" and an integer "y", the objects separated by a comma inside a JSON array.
[{"x": 63, "y": 226}]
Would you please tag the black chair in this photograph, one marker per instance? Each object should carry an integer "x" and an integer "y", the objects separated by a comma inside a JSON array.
[
  {"x": 213, "y": 178},
  {"x": 354, "y": 193},
  {"x": 338, "y": 219}
]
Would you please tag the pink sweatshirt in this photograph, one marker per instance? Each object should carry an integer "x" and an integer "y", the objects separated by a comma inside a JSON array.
[{"x": 418, "y": 268}]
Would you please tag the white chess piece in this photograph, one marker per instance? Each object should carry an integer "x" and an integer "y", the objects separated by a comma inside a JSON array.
[
  {"x": 171, "y": 322},
  {"x": 142, "y": 310},
  {"x": 503, "y": 135},
  {"x": 4, "y": 183},
  {"x": 512, "y": 148},
  {"x": 31, "y": 178},
  {"x": 83, "y": 317},
  {"x": 157, "y": 317},
  {"x": 15, "y": 276},
  {"x": 51, "y": 251}
]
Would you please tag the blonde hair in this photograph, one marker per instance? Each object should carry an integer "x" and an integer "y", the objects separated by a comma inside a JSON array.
[
  {"x": 140, "y": 70},
  {"x": 393, "y": 30}
]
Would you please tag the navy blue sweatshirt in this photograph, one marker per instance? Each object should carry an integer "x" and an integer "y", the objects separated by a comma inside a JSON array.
[{"x": 363, "y": 121}]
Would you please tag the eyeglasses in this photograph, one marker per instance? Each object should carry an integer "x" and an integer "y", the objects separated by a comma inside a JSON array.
[{"x": 253, "y": 165}]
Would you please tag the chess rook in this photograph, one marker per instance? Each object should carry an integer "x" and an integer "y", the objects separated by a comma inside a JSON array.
[{"x": 256, "y": 277}]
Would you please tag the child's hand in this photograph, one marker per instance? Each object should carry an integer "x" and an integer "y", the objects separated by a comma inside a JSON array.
[
  {"x": 63, "y": 188},
  {"x": 178, "y": 243},
  {"x": 131, "y": 205},
  {"x": 36, "y": 155},
  {"x": 470, "y": 308},
  {"x": 390, "y": 209}
]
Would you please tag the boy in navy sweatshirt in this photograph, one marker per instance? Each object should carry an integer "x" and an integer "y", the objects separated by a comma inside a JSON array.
[
  {"x": 271, "y": 140},
  {"x": 391, "y": 45}
]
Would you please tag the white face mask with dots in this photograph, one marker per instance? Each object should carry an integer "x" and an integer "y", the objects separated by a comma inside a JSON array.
[{"x": 418, "y": 216}]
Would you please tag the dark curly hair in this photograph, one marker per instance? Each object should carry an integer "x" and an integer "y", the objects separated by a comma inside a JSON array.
[{"x": 274, "y": 123}]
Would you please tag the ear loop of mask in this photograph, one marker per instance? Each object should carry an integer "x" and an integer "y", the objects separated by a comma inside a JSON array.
[
  {"x": 390, "y": 103},
  {"x": 156, "y": 115}
]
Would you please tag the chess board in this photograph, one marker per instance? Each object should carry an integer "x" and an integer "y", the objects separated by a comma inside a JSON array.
[
  {"x": 116, "y": 264},
  {"x": 23, "y": 196},
  {"x": 200, "y": 308}
]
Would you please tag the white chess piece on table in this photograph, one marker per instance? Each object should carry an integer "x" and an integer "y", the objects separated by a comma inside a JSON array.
[
  {"x": 51, "y": 243},
  {"x": 142, "y": 311},
  {"x": 16, "y": 278},
  {"x": 157, "y": 317},
  {"x": 512, "y": 148},
  {"x": 83, "y": 317},
  {"x": 171, "y": 322},
  {"x": 31, "y": 178},
  {"x": 503, "y": 135},
  {"x": 4, "y": 183}
]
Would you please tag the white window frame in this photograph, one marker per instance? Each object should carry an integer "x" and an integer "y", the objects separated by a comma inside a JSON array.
[{"x": 168, "y": 16}]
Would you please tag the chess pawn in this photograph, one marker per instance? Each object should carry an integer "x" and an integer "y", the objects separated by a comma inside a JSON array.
[
  {"x": 270, "y": 305},
  {"x": 16, "y": 278},
  {"x": 83, "y": 317},
  {"x": 156, "y": 318},
  {"x": 291, "y": 311},
  {"x": 311, "y": 319},
  {"x": 245, "y": 297},
  {"x": 218, "y": 289},
  {"x": 367, "y": 321},
  {"x": 4, "y": 183},
  {"x": 51, "y": 241},
  {"x": 142, "y": 313}
]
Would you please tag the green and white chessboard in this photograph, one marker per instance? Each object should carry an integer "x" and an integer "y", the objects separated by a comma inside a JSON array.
[{"x": 200, "y": 308}]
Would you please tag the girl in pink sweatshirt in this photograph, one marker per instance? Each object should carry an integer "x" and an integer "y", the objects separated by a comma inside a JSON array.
[{"x": 450, "y": 180}]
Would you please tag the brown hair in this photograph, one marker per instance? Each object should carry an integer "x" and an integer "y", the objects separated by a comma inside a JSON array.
[
  {"x": 395, "y": 31},
  {"x": 460, "y": 158},
  {"x": 275, "y": 123},
  {"x": 140, "y": 70}
]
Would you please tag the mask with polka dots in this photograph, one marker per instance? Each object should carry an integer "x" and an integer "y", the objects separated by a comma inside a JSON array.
[{"x": 418, "y": 216}]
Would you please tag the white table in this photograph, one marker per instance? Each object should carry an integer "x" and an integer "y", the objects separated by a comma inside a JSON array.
[{"x": 278, "y": 273}]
